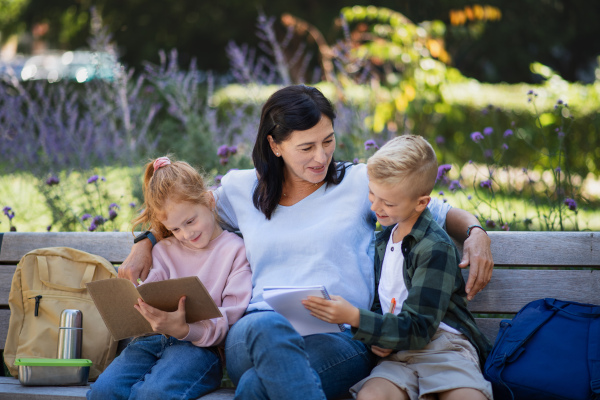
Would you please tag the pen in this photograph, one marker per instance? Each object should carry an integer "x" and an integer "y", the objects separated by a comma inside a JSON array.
[{"x": 393, "y": 305}]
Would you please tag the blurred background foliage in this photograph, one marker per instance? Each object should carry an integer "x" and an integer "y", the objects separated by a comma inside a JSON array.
[
  {"x": 489, "y": 46},
  {"x": 508, "y": 101}
]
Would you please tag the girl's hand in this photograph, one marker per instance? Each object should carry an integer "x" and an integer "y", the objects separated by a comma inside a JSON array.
[
  {"x": 335, "y": 311},
  {"x": 380, "y": 351},
  {"x": 167, "y": 323}
]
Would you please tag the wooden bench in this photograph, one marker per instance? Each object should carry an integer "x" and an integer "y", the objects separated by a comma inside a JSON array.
[{"x": 529, "y": 266}]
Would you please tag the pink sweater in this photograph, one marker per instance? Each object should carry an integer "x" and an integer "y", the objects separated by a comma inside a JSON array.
[{"x": 223, "y": 269}]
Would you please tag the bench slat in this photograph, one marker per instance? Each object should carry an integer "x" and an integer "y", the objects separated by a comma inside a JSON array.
[
  {"x": 489, "y": 327},
  {"x": 510, "y": 289},
  {"x": 114, "y": 246},
  {"x": 6, "y": 275},
  {"x": 546, "y": 248},
  {"x": 4, "y": 319},
  {"x": 11, "y": 389}
]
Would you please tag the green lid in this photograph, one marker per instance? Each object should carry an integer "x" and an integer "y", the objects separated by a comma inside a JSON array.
[{"x": 53, "y": 362}]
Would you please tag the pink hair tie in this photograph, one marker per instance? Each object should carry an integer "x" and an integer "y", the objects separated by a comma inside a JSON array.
[{"x": 161, "y": 162}]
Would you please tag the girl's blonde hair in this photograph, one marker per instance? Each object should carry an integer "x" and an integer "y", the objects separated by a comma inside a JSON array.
[{"x": 178, "y": 182}]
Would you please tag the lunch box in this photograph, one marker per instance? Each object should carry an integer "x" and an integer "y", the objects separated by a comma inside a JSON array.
[{"x": 53, "y": 371}]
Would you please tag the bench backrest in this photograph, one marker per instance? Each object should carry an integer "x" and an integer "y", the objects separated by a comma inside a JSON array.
[{"x": 528, "y": 266}]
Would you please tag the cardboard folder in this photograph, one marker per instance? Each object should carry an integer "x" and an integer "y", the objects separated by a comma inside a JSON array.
[{"x": 116, "y": 297}]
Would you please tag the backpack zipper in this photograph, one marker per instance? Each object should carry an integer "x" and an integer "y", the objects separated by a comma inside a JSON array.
[{"x": 37, "y": 304}]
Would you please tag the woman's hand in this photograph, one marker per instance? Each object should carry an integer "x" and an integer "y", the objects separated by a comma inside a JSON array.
[
  {"x": 335, "y": 311},
  {"x": 138, "y": 262},
  {"x": 477, "y": 254},
  {"x": 167, "y": 323},
  {"x": 380, "y": 351}
]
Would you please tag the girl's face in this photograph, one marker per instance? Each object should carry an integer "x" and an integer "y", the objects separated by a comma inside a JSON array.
[
  {"x": 307, "y": 154},
  {"x": 194, "y": 225}
]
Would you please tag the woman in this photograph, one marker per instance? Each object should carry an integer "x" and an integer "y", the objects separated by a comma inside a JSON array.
[{"x": 306, "y": 220}]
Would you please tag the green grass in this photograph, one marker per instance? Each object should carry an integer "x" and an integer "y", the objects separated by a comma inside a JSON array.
[{"x": 22, "y": 193}]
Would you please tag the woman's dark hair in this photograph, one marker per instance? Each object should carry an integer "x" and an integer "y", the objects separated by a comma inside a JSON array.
[{"x": 293, "y": 108}]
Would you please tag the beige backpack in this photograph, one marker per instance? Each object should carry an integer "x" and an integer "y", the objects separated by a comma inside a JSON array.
[{"x": 55, "y": 279}]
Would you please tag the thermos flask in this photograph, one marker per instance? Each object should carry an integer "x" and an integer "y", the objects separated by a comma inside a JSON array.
[{"x": 70, "y": 334}]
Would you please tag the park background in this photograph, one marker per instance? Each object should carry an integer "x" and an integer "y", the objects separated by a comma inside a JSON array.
[{"x": 507, "y": 92}]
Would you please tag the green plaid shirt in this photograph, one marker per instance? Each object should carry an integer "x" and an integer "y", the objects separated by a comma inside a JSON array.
[{"x": 436, "y": 293}]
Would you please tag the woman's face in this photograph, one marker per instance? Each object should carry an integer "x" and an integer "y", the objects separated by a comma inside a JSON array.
[{"x": 307, "y": 154}]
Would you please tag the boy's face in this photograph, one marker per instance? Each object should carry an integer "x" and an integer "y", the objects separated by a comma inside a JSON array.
[{"x": 393, "y": 203}]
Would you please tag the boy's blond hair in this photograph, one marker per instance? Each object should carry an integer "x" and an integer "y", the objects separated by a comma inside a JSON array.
[{"x": 405, "y": 159}]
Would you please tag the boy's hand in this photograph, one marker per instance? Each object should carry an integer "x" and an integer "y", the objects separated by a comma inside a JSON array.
[
  {"x": 335, "y": 311},
  {"x": 167, "y": 323},
  {"x": 380, "y": 351}
]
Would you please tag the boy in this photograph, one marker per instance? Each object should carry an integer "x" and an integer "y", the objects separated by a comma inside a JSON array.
[{"x": 429, "y": 340}]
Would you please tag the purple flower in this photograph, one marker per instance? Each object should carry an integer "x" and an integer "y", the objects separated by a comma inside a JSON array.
[
  {"x": 469, "y": 197},
  {"x": 505, "y": 227},
  {"x": 442, "y": 170},
  {"x": 223, "y": 151},
  {"x": 92, "y": 179},
  {"x": 504, "y": 146},
  {"x": 445, "y": 200},
  {"x": 232, "y": 149},
  {"x": 476, "y": 137},
  {"x": 53, "y": 180},
  {"x": 530, "y": 92},
  {"x": 441, "y": 193},
  {"x": 559, "y": 102},
  {"x": 92, "y": 227},
  {"x": 114, "y": 205},
  {"x": 112, "y": 214},
  {"x": 508, "y": 132},
  {"x": 48, "y": 228},
  {"x": 488, "y": 153},
  {"x": 440, "y": 140},
  {"x": 98, "y": 220},
  {"x": 6, "y": 209},
  {"x": 103, "y": 179},
  {"x": 572, "y": 204},
  {"x": 470, "y": 161},
  {"x": 455, "y": 185},
  {"x": 355, "y": 161},
  {"x": 558, "y": 169},
  {"x": 490, "y": 223},
  {"x": 223, "y": 160},
  {"x": 85, "y": 217},
  {"x": 370, "y": 144},
  {"x": 132, "y": 204},
  {"x": 488, "y": 131},
  {"x": 486, "y": 184},
  {"x": 561, "y": 134}
]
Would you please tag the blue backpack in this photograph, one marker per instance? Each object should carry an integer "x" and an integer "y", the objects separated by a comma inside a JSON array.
[{"x": 549, "y": 350}]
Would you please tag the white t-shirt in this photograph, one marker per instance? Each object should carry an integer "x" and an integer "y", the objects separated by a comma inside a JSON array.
[{"x": 391, "y": 283}]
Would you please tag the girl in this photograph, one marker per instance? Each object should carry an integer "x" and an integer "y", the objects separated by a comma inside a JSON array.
[{"x": 181, "y": 361}]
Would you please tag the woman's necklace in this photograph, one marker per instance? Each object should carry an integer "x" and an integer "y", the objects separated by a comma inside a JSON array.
[{"x": 304, "y": 191}]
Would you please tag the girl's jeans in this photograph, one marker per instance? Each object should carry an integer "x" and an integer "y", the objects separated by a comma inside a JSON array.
[
  {"x": 268, "y": 359},
  {"x": 157, "y": 367}
]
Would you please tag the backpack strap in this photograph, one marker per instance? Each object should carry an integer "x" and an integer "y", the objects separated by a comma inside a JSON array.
[
  {"x": 529, "y": 320},
  {"x": 87, "y": 277}
]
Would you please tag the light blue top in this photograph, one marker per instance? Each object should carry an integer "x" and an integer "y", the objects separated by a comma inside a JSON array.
[{"x": 325, "y": 239}]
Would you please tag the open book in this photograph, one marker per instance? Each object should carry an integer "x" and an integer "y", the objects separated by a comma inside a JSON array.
[
  {"x": 115, "y": 298},
  {"x": 286, "y": 300}
]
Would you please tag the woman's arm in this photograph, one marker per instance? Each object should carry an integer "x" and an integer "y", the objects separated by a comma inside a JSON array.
[
  {"x": 476, "y": 249},
  {"x": 138, "y": 262}
]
